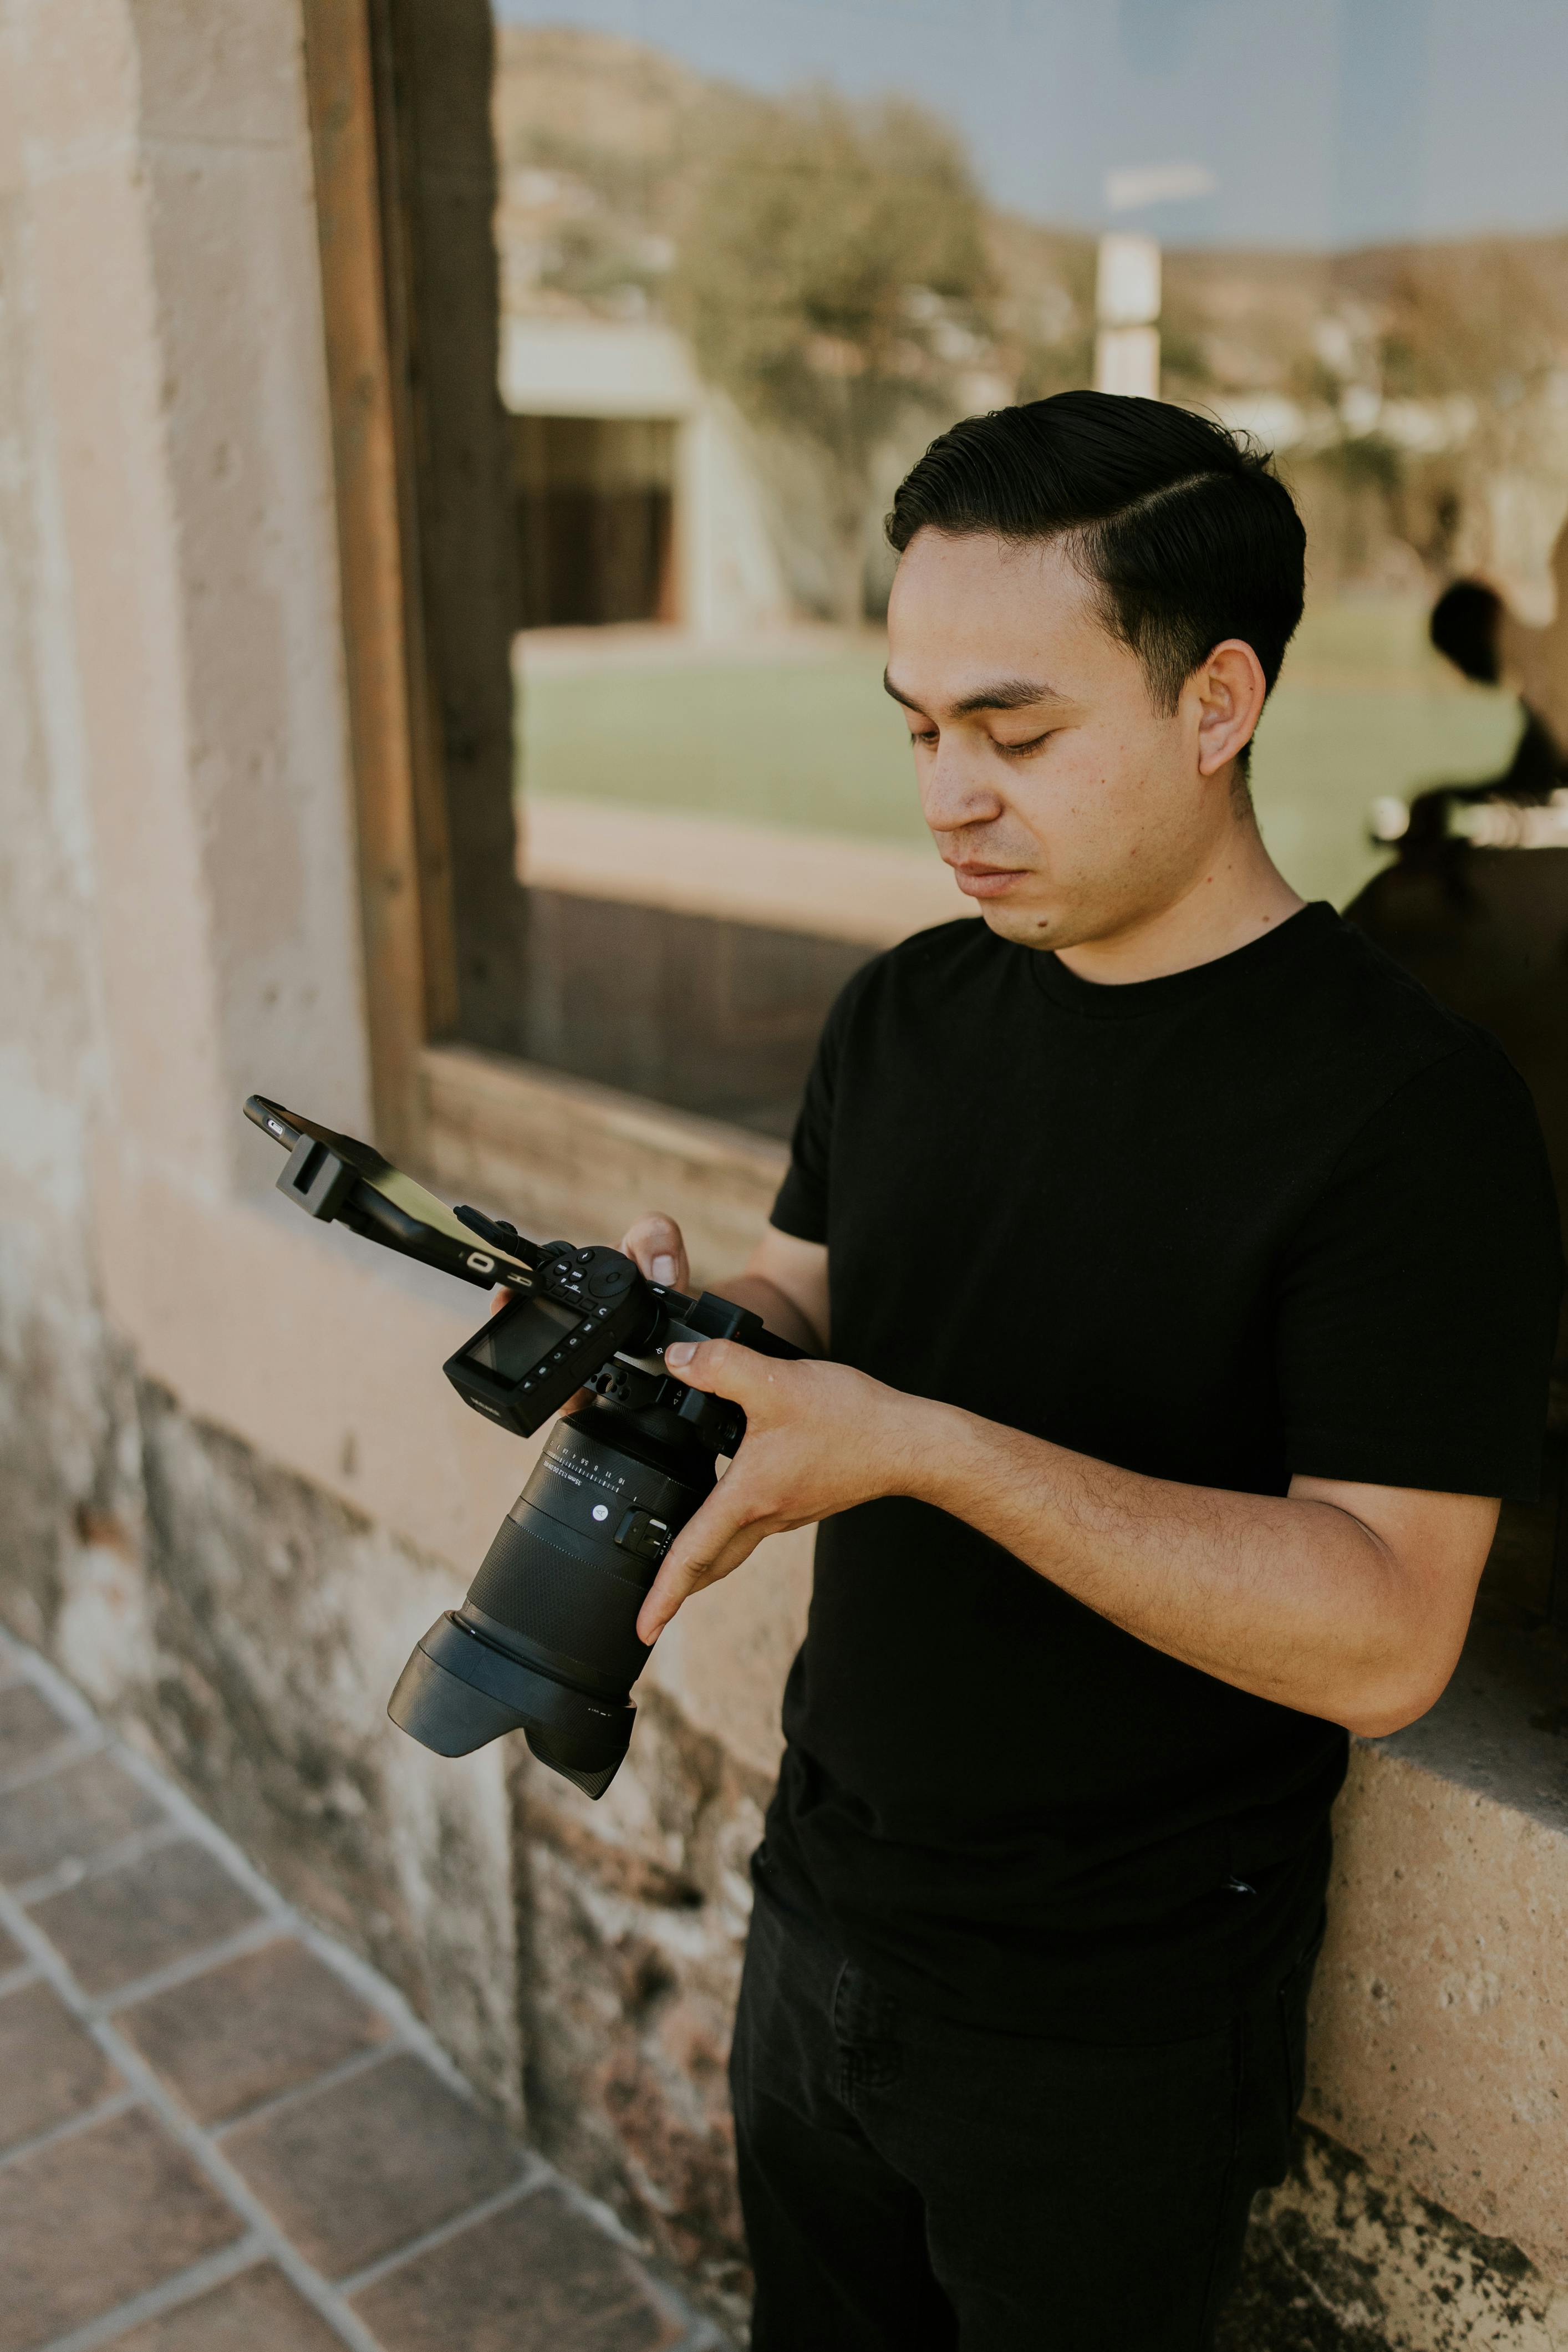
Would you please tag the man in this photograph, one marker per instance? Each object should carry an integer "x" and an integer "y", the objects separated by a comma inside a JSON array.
[{"x": 1156, "y": 1430}]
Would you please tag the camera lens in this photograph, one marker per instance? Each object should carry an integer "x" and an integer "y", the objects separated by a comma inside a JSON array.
[{"x": 546, "y": 1641}]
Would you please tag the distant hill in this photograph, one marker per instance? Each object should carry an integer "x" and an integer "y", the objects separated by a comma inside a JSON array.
[{"x": 1418, "y": 394}]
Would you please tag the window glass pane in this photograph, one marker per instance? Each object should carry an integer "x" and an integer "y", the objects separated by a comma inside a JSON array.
[{"x": 756, "y": 253}]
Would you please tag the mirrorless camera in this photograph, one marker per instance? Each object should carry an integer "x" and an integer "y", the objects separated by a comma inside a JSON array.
[{"x": 545, "y": 1643}]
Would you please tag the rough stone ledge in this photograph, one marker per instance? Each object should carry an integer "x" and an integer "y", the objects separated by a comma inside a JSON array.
[
  {"x": 1500, "y": 1729},
  {"x": 1439, "y": 2036},
  {"x": 1341, "y": 2261}
]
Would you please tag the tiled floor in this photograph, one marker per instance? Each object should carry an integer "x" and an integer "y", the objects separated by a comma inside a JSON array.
[{"x": 219, "y": 2131}]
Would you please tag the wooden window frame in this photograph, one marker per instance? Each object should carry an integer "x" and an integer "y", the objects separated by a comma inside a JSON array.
[
  {"x": 441, "y": 908},
  {"x": 405, "y": 905}
]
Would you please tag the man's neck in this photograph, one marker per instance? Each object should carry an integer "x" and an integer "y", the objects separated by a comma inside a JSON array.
[{"x": 1238, "y": 897}]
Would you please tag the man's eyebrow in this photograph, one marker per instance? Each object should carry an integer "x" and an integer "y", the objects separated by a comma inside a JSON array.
[{"x": 1002, "y": 694}]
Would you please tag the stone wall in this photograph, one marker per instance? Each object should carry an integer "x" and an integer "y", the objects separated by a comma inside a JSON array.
[
  {"x": 633, "y": 1922},
  {"x": 1341, "y": 2261}
]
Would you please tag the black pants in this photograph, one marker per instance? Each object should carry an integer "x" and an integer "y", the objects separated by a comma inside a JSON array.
[{"x": 914, "y": 2186}]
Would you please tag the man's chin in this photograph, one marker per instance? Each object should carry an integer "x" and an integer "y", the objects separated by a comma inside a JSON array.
[{"x": 1025, "y": 926}]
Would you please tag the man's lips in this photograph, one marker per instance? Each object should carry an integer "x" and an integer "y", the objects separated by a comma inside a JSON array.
[{"x": 980, "y": 881}]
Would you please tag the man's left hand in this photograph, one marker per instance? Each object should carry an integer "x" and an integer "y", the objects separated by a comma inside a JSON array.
[{"x": 820, "y": 1438}]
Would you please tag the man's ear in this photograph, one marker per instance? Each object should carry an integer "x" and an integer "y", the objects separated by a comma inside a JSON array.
[{"x": 1229, "y": 688}]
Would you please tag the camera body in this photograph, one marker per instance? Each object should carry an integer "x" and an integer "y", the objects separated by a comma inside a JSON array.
[
  {"x": 545, "y": 1642},
  {"x": 588, "y": 1307}
]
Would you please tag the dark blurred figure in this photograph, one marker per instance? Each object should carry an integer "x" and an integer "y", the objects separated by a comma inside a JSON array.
[
  {"x": 1486, "y": 929},
  {"x": 1467, "y": 626}
]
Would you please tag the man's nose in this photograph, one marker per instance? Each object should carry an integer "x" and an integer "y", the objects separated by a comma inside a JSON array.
[{"x": 955, "y": 793}]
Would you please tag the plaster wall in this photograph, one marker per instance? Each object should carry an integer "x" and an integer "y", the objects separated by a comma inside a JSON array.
[
  {"x": 185, "y": 1486},
  {"x": 51, "y": 1062}
]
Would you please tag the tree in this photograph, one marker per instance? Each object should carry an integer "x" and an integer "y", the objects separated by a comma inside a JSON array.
[{"x": 831, "y": 274}]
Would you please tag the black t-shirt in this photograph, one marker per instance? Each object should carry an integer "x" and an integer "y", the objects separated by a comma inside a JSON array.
[{"x": 1280, "y": 1213}]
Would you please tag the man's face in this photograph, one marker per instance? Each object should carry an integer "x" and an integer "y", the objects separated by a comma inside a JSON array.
[{"x": 1066, "y": 803}]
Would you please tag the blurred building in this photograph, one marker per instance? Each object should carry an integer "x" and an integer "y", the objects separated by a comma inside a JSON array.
[{"x": 637, "y": 498}]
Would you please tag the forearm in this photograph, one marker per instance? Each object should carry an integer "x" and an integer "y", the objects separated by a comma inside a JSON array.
[
  {"x": 1293, "y": 1599},
  {"x": 1341, "y": 1600}
]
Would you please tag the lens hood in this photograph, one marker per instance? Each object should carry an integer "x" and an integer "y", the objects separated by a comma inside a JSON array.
[{"x": 458, "y": 1692}]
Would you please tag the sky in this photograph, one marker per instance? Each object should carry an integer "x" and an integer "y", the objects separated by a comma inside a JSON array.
[{"x": 1313, "y": 122}]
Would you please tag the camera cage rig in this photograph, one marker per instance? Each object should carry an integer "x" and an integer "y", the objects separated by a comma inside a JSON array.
[
  {"x": 611, "y": 1490},
  {"x": 336, "y": 1179}
]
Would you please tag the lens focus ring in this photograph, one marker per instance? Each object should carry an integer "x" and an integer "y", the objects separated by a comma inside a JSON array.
[{"x": 585, "y": 1615}]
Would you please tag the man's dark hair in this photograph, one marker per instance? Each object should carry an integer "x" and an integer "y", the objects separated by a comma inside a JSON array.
[
  {"x": 1463, "y": 626},
  {"x": 1184, "y": 528}
]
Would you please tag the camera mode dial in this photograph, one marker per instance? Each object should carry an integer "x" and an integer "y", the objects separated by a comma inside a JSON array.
[{"x": 575, "y": 1275}]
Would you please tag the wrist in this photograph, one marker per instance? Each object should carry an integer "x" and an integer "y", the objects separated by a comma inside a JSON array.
[{"x": 928, "y": 1441}]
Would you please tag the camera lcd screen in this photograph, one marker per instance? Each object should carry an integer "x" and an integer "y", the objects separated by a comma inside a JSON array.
[{"x": 521, "y": 1338}]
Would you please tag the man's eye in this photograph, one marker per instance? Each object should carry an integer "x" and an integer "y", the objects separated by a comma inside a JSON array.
[
  {"x": 1018, "y": 750},
  {"x": 922, "y": 734}
]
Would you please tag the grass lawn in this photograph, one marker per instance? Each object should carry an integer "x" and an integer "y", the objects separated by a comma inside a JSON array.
[{"x": 1363, "y": 710}]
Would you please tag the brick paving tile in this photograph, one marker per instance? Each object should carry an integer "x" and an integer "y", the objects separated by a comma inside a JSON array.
[
  {"x": 357, "y": 2170},
  {"x": 129, "y": 1922},
  {"x": 50, "y": 2069},
  {"x": 29, "y": 1726},
  {"x": 538, "y": 2276},
  {"x": 244, "y": 2032},
  {"x": 70, "y": 1817},
  {"x": 94, "y": 2218},
  {"x": 256, "y": 2312}
]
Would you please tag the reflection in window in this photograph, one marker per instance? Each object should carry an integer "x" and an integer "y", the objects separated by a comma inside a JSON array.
[{"x": 754, "y": 256}]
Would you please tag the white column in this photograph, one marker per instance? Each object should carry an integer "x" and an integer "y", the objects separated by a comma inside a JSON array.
[{"x": 1127, "y": 312}]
